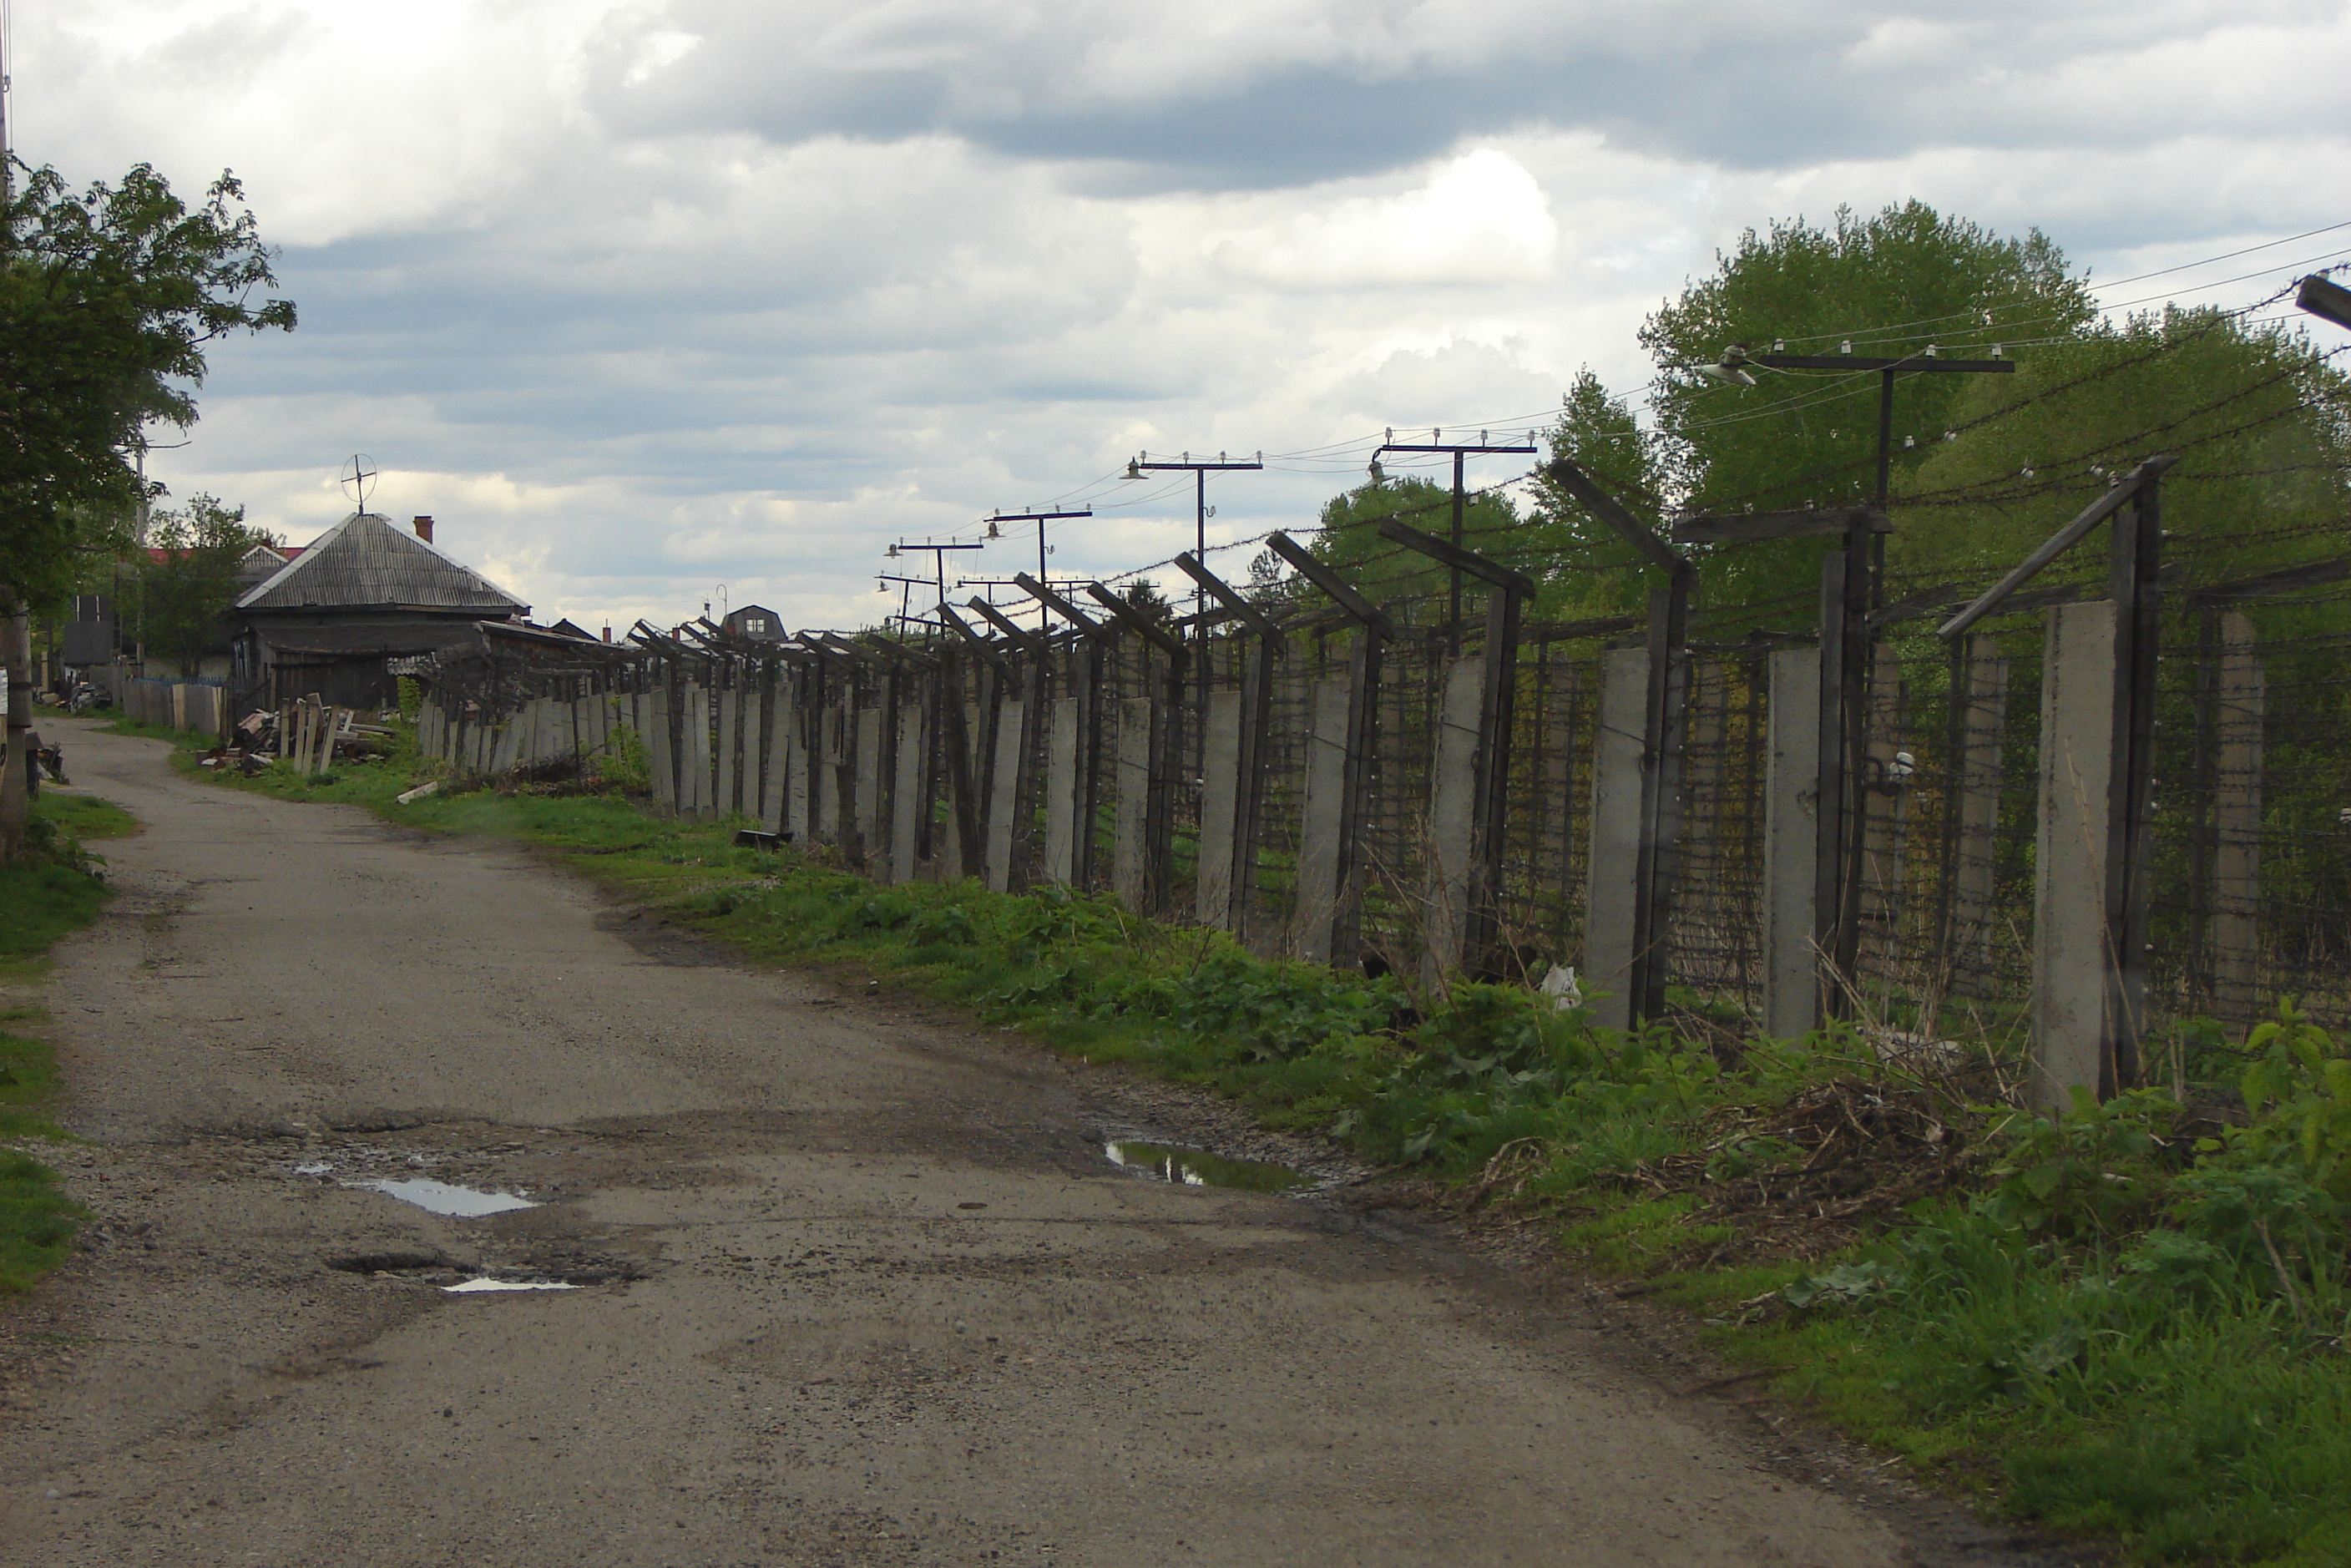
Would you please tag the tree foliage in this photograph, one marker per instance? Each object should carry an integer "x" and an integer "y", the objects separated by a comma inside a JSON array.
[
  {"x": 191, "y": 582},
  {"x": 108, "y": 301}
]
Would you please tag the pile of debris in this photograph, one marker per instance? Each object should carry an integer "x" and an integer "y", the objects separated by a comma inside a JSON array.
[{"x": 310, "y": 734}]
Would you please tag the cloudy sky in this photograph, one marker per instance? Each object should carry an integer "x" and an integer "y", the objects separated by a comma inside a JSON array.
[{"x": 640, "y": 298}]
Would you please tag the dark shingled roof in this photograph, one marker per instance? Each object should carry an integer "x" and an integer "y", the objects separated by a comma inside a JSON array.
[{"x": 364, "y": 562}]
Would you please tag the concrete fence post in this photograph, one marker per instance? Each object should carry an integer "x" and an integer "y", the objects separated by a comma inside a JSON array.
[
  {"x": 1453, "y": 821},
  {"x": 1612, "y": 884},
  {"x": 2071, "y": 965},
  {"x": 2237, "y": 818},
  {"x": 1063, "y": 800},
  {"x": 909, "y": 802},
  {"x": 871, "y": 840},
  {"x": 1320, "y": 871},
  {"x": 1004, "y": 793},
  {"x": 1792, "y": 828}
]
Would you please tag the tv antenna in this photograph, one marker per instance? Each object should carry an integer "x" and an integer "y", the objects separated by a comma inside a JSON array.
[{"x": 358, "y": 478}]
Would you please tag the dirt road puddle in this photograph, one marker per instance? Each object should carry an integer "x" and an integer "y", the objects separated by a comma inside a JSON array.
[
  {"x": 441, "y": 1197},
  {"x": 1198, "y": 1167},
  {"x": 484, "y": 1286}
]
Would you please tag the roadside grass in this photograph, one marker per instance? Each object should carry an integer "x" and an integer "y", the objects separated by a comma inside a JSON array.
[
  {"x": 196, "y": 738},
  {"x": 2128, "y": 1322},
  {"x": 53, "y": 891}
]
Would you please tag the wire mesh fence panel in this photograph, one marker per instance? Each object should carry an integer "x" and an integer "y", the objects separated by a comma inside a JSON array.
[
  {"x": 1714, "y": 938},
  {"x": 1550, "y": 805}
]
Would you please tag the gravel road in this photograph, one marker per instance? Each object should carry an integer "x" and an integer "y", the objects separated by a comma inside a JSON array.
[{"x": 851, "y": 1284}]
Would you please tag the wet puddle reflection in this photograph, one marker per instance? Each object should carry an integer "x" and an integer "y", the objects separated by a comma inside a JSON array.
[
  {"x": 484, "y": 1286},
  {"x": 1197, "y": 1167},
  {"x": 440, "y": 1197}
]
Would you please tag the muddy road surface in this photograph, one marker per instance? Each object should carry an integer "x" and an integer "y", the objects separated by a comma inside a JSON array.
[{"x": 849, "y": 1285}]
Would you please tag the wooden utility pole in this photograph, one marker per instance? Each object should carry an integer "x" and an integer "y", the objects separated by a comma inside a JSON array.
[{"x": 1457, "y": 450}]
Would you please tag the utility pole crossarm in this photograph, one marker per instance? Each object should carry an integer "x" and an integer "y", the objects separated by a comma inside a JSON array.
[
  {"x": 1446, "y": 553},
  {"x": 1329, "y": 582},
  {"x": 1255, "y": 619},
  {"x": 1472, "y": 448},
  {"x": 1913, "y": 362},
  {"x": 1564, "y": 472},
  {"x": 1136, "y": 621},
  {"x": 2063, "y": 540}
]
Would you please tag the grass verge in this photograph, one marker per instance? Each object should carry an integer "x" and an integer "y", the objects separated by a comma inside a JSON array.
[
  {"x": 2128, "y": 1320},
  {"x": 54, "y": 890}
]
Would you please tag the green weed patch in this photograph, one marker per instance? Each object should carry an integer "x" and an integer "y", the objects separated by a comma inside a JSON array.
[{"x": 56, "y": 888}]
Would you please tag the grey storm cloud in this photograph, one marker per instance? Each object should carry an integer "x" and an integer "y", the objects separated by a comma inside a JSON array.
[{"x": 1311, "y": 93}]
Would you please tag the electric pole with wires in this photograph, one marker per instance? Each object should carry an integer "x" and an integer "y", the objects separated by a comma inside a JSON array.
[
  {"x": 1199, "y": 468},
  {"x": 1044, "y": 615},
  {"x": 1459, "y": 450},
  {"x": 938, "y": 558}
]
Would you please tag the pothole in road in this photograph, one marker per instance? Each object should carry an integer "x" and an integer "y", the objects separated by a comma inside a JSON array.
[
  {"x": 562, "y": 1270},
  {"x": 1197, "y": 1167}
]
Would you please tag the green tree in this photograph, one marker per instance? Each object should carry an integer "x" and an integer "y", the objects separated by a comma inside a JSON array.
[
  {"x": 1890, "y": 285},
  {"x": 1391, "y": 574},
  {"x": 190, "y": 586},
  {"x": 107, "y": 301},
  {"x": 1586, "y": 569},
  {"x": 2254, "y": 417}
]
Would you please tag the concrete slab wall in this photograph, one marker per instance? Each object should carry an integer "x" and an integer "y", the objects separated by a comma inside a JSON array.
[
  {"x": 1131, "y": 826},
  {"x": 1220, "y": 791}
]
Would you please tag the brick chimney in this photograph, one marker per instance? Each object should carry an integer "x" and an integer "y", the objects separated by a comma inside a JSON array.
[
  {"x": 424, "y": 530},
  {"x": 608, "y": 633}
]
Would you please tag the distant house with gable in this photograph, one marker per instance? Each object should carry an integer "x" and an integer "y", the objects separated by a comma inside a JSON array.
[
  {"x": 755, "y": 622},
  {"x": 344, "y": 614}
]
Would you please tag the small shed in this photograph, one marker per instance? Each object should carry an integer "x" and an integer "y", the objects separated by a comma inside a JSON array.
[{"x": 361, "y": 597}]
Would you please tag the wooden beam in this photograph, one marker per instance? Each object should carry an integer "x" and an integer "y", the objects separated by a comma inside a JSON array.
[
  {"x": 2328, "y": 302},
  {"x": 1564, "y": 473},
  {"x": 1749, "y": 528},
  {"x": 1329, "y": 582},
  {"x": 1240, "y": 608},
  {"x": 1446, "y": 553},
  {"x": 986, "y": 646},
  {"x": 2063, "y": 540},
  {"x": 1018, "y": 636},
  {"x": 2313, "y": 575},
  {"x": 1134, "y": 621},
  {"x": 1057, "y": 603}
]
